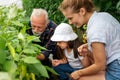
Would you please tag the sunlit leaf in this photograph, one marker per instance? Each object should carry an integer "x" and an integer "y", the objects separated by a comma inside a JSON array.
[
  {"x": 12, "y": 13},
  {"x": 29, "y": 51},
  {"x": 20, "y": 36},
  {"x": 17, "y": 23},
  {"x": 32, "y": 38},
  {"x": 30, "y": 60},
  {"x": 4, "y": 76}
]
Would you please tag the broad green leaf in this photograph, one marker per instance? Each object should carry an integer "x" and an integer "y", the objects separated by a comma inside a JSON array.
[
  {"x": 32, "y": 38},
  {"x": 36, "y": 49},
  {"x": 12, "y": 12},
  {"x": 2, "y": 43},
  {"x": 10, "y": 66},
  {"x": 29, "y": 51},
  {"x": 17, "y": 23},
  {"x": 41, "y": 69},
  {"x": 40, "y": 47},
  {"x": 51, "y": 70},
  {"x": 30, "y": 60},
  {"x": 2, "y": 56}
]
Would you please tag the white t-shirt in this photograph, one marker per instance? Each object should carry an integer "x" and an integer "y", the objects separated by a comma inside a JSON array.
[
  {"x": 74, "y": 62},
  {"x": 104, "y": 28}
]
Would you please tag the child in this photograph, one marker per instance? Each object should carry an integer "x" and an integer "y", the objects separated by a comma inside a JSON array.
[
  {"x": 69, "y": 60},
  {"x": 103, "y": 36}
]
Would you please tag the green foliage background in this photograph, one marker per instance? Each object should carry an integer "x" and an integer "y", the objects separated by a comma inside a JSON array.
[
  {"x": 50, "y": 5},
  {"x": 111, "y": 6}
]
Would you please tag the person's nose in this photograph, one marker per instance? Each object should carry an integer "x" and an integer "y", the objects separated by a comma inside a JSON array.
[{"x": 35, "y": 29}]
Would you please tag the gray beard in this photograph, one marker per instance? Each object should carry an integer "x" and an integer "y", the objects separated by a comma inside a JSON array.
[{"x": 37, "y": 34}]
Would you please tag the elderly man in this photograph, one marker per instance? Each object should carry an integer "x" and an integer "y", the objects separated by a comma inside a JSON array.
[{"x": 44, "y": 28}]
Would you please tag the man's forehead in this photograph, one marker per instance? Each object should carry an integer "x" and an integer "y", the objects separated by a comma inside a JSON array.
[{"x": 39, "y": 20}]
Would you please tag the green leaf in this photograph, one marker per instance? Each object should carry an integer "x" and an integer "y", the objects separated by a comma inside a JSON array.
[
  {"x": 118, "y": 5},
  {"x": 30, "y": 60},
  {"x": 2, "y": 56},
  {"x": 2, "y": 43},
  {"x": 31, "y": 38},
  {"x": 42, "y": 48},
  {"x": 42, "y": 70},
  {"x": 23, "y": 30},
  {"x": 12, "y": 12},
  {"x": 20, "y": 36},
  {"x": 29, "y": 51},
  {"x": 17, "y": 57},
  {"x": 18, "y": 48},
  {"x": 35, "y": 48},
  {"x": 51, "y": 70},
  {"x": 10, "y": 67},
  {"x": 17, "y": 23}
]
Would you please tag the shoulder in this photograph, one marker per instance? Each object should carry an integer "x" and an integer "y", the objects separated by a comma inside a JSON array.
[
  {"x": 52, "y": 24},
  {"x": 102, "y": 18},
  {"x": 99, "y": 20}
]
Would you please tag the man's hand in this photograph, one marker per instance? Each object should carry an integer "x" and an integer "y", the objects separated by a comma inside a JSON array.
[{"x": 40, "y": 57}]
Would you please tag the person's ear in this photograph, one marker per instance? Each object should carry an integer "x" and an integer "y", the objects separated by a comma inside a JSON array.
[{"x": 82, "y": 11}]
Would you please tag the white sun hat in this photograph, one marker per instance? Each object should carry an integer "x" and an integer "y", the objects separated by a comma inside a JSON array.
[{"x": 64, "y": 32}]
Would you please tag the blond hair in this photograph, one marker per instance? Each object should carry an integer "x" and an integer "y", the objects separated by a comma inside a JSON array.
[
  {"x": 39, "y": 12},
  {"x": 75, "y": 5}
]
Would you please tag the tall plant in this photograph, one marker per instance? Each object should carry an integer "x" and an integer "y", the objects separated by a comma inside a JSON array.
[{"x": 17, "y": 52}]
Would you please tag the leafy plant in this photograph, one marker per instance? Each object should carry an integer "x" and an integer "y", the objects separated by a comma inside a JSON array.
[{"x": 17, "y": 52}]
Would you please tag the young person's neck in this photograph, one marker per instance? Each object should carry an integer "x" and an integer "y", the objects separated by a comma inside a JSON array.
[
  {"x": 69, "y": 49},
  {"x": 88, "y": 15}
]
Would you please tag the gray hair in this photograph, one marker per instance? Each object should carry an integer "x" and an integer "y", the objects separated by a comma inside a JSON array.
[{"x": 39, "y": 12}]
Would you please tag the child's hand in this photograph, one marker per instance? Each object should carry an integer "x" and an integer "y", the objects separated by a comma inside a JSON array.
[
  {"x": 55, "y": 62},
  {"x": 83, "y": 50}
]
